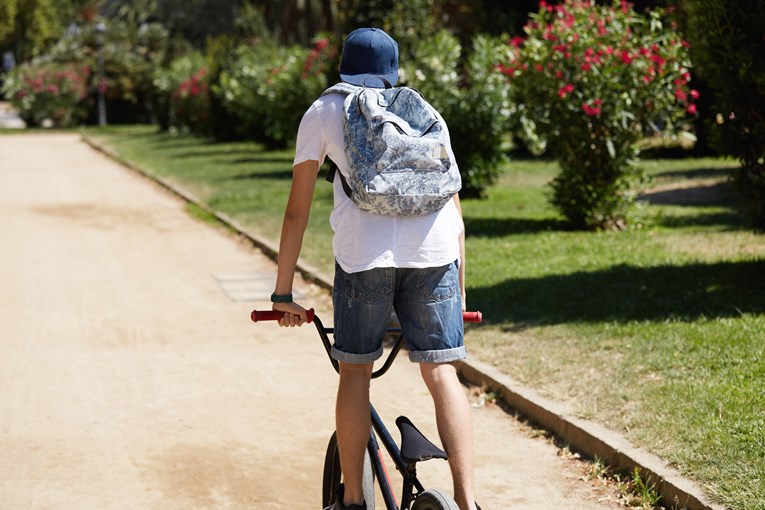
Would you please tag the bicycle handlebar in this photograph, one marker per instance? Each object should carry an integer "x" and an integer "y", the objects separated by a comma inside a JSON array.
[
  {"x": 472, "y": 317},
  {"x": 272, "y": 315}
]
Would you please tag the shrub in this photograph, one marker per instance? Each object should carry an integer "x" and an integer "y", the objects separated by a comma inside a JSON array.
[
  {"x": 727, "y": 48},
  {"x": 472, "y": 99},
  {"x": 589, "y": 81},
  {"x": 222, "y": 125},
  {"x": 182, "y": 93},
  {"x": 269, "y": 87},
  {"x": 131, "y": 54},
  {"x": 481, "y": 122},
  {"x": 131, "y": 58},
  {"x": 49, "y": 91}
]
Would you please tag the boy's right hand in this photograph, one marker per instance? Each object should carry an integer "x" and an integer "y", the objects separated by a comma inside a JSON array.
[{"x": 294, "y": 314}]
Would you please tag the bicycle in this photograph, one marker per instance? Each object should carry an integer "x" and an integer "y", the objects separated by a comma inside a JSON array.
[{"x": 415, "y": 447}]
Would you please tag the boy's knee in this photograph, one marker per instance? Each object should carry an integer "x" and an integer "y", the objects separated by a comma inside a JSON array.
[
  {"x": 357, "y": 372},
  {"x": 438, "y": 373}
]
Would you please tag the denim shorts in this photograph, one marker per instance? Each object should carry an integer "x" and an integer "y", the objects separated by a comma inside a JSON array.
[{"x": 427, "y": 302}]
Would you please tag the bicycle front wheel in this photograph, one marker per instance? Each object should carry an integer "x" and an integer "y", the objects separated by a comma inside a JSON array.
[
  {"x": 333, "y": 476},
  {"x": 433, "y": 499}
]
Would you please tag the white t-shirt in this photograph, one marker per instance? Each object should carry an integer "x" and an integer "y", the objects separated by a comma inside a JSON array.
[{"x": 364, "y": 240}]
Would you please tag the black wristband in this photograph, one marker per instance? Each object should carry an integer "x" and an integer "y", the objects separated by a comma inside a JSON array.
[{"x": 281, "y": 298}]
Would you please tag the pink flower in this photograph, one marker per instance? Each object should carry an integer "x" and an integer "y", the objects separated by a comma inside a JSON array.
[
  {"x": 694, "y": 94},
  {"x": 692, "y": 109},
  {"x": 602, "y": 28},
  {"x": 591, "y": 110},
  {"x": 565, "y": 90},
  {"x": 560, "y": 48},
  {"x": 658, "y": 60},
  {"x": 516, "y": 41}
]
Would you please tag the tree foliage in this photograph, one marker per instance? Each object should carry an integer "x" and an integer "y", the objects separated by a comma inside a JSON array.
[
  {"x": 7, "y": 19},
  {"x": 727, "y": 46},
  {"x": 31, "y": 26}
]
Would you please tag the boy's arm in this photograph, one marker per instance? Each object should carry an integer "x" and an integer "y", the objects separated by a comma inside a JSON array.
[{"x": 293, "y": 228}]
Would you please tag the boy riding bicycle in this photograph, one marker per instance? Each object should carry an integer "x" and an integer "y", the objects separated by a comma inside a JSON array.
[{"x": 413, "y": 265}]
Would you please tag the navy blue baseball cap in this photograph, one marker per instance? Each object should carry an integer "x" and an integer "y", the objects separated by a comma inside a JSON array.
[{"x": 370, "y": 58}]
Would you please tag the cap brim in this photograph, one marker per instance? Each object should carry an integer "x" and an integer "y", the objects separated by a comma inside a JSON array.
[{"x": 374, "y": 81}]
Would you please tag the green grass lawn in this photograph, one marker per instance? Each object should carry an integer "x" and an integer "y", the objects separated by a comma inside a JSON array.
[{"x": 657, "y": 332}]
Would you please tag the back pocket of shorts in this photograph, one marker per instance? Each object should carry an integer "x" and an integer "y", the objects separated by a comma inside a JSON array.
[
  {"x": 369, "y": 286},
  {"x": 439, "y": 283}
]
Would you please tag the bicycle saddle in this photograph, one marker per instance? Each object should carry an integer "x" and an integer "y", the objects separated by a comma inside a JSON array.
[{"x": 415, "y": 447}]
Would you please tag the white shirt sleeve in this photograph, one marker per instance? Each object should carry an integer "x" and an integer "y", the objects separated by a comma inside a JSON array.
[{"x": 311, "y": 142}]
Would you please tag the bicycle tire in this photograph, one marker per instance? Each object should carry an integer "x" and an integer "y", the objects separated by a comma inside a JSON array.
[
  {"x": 333, "y": 476},
  {"x": 434, "y": 499}
]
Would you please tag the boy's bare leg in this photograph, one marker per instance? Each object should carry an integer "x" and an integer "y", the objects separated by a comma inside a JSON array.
[
  {"x": 455, "y": 427},
  {"x": 353, "y": 422}
]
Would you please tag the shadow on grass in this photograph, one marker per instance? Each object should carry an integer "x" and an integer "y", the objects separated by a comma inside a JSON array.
[
  {"x": 626, "y": 293},
  {"x": 720, "y": 193},
  {"x": 729, "y": 220},
  {"x": 495, "y": 227},
  {"x": 285, "y": 174},
  {"x": 697, "y": 173}
]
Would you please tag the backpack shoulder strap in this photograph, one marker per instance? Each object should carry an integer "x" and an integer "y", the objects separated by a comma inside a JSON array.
[
  {"x": 332, "y": 172},
  {"x": 345, "y": 89},
  {"x": 341, "y": 88}
]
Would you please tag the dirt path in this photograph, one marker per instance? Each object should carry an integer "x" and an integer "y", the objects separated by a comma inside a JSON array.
[{"x": 131, "y": 378}]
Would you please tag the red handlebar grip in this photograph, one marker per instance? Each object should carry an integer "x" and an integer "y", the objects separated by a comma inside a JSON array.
[
  {"x": 272, "y": 315},
  {"x": 472, "y": 316}
]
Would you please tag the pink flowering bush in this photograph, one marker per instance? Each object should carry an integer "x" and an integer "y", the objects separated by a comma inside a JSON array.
[
  {"x": 190, "y": 102},
  {"x": 182, "y": 94},
  {"x": 49, "y": 92},
  {"x": 589, "y": 81}
]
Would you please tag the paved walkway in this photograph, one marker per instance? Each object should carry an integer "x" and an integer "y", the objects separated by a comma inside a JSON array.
[{"x": 131, "y": 377}]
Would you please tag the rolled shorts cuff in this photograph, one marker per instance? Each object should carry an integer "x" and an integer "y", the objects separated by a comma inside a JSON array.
[
  {"x": 356, "y": 359},
  {"x": 438, "y": 356}
]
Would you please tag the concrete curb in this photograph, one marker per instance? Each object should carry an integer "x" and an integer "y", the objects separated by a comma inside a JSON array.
[{"x": 589, "y": 438}]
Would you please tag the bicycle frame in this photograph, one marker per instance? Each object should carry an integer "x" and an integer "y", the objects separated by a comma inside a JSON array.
[
  {"x": 411, "y": 486},
  {"x": 408, "y": 470}
]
